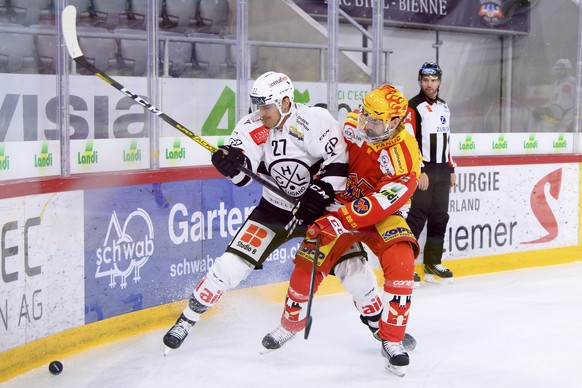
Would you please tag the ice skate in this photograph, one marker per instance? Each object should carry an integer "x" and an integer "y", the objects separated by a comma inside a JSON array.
[
  {"x": 416, "y": 283},
  {"x": 395, "y": 357},
  {"x": 437, "y": 273},
  {"x": 178, "y": 333},
  {"x": 372, "y": 323},
  {"x": 276, "y": 339}
]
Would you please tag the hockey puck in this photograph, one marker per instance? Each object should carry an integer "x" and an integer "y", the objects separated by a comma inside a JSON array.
[
  {"x": 56, "y": 367},
  {"x": 409, "y": 342}
]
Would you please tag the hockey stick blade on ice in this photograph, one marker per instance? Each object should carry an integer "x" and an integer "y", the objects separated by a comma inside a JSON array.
[
  {"x": 69, "y": 21},
  {"x": 309, "y": 319}
]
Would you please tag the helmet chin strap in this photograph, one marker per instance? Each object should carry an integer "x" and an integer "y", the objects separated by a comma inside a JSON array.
[{"x": 283, "y": 116}]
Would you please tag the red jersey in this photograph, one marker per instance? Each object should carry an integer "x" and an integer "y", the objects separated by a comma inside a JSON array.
[{"x": 382, "y": 177}]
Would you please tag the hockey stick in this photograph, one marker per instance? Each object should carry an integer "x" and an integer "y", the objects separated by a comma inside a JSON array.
[
  {"x": 309, "y": 319},
  {"x": 70, "y": 34}
]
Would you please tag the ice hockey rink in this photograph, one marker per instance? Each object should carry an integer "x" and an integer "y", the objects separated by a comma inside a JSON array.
[{"x": 519, "y": 328}]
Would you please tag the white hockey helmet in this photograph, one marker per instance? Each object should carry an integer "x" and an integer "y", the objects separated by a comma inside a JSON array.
[{"x": 272, "y": 88}]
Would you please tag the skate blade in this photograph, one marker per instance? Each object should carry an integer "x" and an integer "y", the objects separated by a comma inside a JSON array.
[
  {"x": 166, "y": 351},
  {"x": 430, "y": 278},
  {"x": 416, "y": 285},
  {"x": 399, "y": 371},
  {"x": 264, "y": 350}
]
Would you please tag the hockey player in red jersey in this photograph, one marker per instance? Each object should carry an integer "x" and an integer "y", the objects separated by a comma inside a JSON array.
[{"x": 384, "y": 169}]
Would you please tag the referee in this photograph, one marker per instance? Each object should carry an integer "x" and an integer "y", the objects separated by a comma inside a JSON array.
[{"x": 429, "y": 120}]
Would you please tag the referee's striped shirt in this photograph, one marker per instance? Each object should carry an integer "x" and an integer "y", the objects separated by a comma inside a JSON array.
[{"x": 429, "y": 121}]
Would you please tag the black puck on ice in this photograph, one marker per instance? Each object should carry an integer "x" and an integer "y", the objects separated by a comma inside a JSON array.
[{"x": 56, "y": 367}]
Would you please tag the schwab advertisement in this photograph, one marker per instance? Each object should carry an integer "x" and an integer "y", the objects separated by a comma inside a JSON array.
[{"x": 150, "y": 245}]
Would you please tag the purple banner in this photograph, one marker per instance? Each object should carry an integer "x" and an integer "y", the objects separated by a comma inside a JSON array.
[
  {"x": 509, "y": 16},
  {"x": 149, "y": 245}
]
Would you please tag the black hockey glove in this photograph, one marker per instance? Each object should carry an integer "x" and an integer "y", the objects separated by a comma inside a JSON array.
[
  {"x": 227, "y": 160},
  {"x": 313, "y": 203}
]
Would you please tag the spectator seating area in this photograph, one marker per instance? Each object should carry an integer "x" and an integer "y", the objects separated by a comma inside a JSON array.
[{"x": 194, "y": 37}]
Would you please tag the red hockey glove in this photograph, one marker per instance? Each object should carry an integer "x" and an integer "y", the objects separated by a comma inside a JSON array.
[{"x": 327, "y": 229}]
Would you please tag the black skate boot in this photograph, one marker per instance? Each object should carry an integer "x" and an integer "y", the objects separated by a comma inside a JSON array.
[
  {"x": 276, "y": 339},
  {"x": 437, "y": 273},
  {"x": 373, "y": 324},
  {"x": 178, "y": 333},
  {"x": 416, "y": 281},
  {"x": 409, "y": 342},
  {"x": 395, "y": 357}
]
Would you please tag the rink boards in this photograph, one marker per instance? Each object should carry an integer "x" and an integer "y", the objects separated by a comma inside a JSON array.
[{"x": 72, "y": 261}]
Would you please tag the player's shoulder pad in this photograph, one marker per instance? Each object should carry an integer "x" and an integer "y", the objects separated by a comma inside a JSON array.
[
  {"x": 312, "y": 117},
  {"x": 351, "y": 119}
]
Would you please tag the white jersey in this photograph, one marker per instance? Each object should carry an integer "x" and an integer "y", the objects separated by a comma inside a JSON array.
[{"x": 310, "y": 144}]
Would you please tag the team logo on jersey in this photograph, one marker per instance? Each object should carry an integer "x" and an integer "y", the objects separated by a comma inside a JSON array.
[
  {"x": 356, "y": 188},
  {"x": 260, "y": 135},
  {"x": 362, "y": 206},
  {"x": 292, "y": 176},
  {"x": 385, "y": 163}
]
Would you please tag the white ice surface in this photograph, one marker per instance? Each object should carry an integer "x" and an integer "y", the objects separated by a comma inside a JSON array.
[{"x": 518, "y": 329}]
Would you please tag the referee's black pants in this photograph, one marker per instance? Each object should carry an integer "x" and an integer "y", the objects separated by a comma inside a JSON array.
[{"x": 431, "y": 207}]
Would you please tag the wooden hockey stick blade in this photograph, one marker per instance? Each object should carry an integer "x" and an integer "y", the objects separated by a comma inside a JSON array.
[
  {"x": 69, "y": 21},
  {"x": 309, "y": 318}
]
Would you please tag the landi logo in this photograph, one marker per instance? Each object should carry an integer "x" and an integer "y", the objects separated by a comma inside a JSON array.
[
  {"x": 560, "y": 143},
  {"x": 126, "y": 249},
  {"x": 45, "y": 159},
  {"x": 89, "y": 156},
  {"x": 177, "y": 151},
  {"x": 552, "y": 183},
  {"x": 501, "y": 143},
  {"x": 4, "y": 160},
  {"x": 134, "y": 154},
  {"x": 468, "y": 144},
  {"x": 531, "y": 143}
]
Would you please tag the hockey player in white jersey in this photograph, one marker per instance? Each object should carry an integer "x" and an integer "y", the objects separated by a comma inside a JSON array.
[{"x": 302, "y": 150}]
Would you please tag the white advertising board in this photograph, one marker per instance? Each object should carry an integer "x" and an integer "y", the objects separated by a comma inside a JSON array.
[
  {"x": 506, "y": 209},
  {"x": 42, "y": 279},
  {"x": 29, "y": 159},
  {"x": 102, "y": 155}
]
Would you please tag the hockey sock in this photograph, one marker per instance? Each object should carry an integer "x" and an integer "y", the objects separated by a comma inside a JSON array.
[{"x": 398, "y": 266}]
